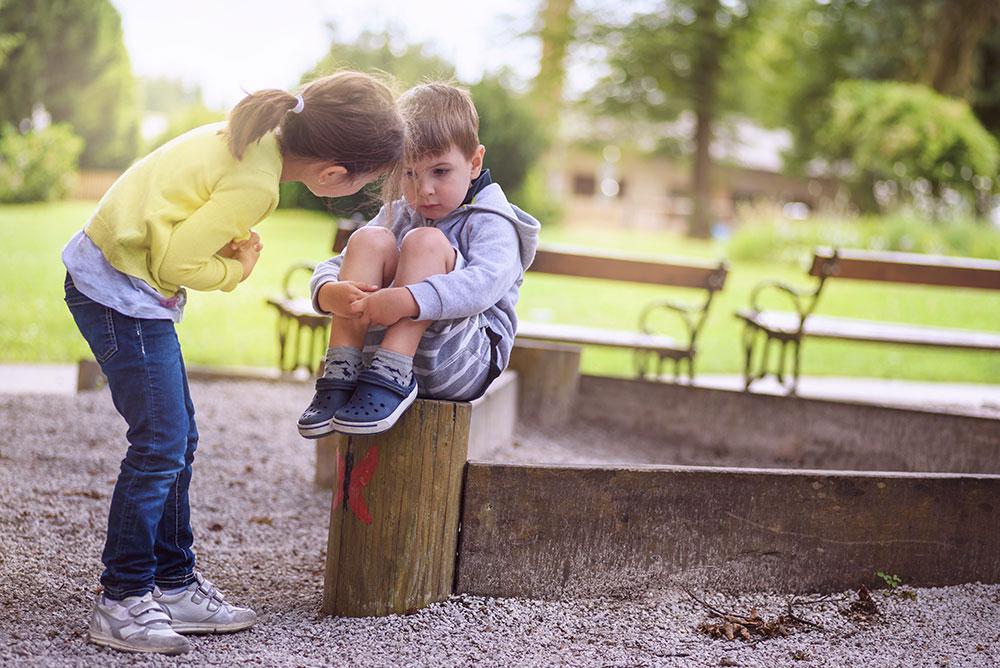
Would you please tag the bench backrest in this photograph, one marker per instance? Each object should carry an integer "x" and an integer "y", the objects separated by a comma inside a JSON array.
[
  {"x": 566, "y": 261},
  {"x": 958, "y": 272}
]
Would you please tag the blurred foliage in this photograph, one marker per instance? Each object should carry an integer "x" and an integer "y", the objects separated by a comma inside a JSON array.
[
  {"x": 912, "y": 142},
  {"x": 184, "y": 119},
  {"x": 805, "y": 47},
  {"x": 765, "y": 235},
  {"x": 513, "y": 136},
  {"x": 69, "y": 57},
  {"x": 39, "y": 165}
]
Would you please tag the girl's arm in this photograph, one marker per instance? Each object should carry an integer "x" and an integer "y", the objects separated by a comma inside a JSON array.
[{"x": 191, "y": 258}]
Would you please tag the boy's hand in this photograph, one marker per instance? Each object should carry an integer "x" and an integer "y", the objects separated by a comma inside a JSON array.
[
  {"x": 387, "y": 307},
  {"x": 338, "y": 297}
]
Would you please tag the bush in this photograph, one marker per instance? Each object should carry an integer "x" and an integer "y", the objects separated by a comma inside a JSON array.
[
  {"x": 905, "y": 143},
  {"x": 513, "y": 136},
  {"x": 765, "y": 235},
  {"x": 38, "y": 166}
]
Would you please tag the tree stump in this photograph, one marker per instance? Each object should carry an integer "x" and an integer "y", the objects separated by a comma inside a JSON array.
[
  {"x": 395, "y": 511},
  {"x": 548, "y": 376}
]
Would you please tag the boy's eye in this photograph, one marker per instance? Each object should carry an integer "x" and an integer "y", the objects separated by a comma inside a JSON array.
[{"x": 441, "y": 171}]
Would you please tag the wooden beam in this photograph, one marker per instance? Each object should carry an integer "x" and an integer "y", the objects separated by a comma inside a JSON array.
[
  {"x": 551, "y": 532},
  {"x": 617, "y": 267}
]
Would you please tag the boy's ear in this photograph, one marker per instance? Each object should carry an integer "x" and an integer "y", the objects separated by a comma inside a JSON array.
[
  {"x": 477, "y": 162},
  {"x": 331, "y": 172}
]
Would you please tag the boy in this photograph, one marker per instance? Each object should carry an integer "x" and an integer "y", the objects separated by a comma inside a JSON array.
[{"x": 422, "y": 298}]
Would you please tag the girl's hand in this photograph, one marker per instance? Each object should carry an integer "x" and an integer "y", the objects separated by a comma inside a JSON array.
[
  {"x": 338, "y": 297},
  {"x": 387, "y": 307},
  {"x": 248, "y": 252},
  {"x": 232, "y": 248}
]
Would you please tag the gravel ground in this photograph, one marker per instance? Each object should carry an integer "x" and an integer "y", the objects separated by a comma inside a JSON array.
[{"x": 261, "y": 531}]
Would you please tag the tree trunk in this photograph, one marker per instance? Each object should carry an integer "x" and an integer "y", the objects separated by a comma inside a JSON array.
[
  {"x": 700, "y": 225},
  {"x": 958, "y": 28},
  {"x": 556, "y": 33},
  {"x": 704, "y": 81}
]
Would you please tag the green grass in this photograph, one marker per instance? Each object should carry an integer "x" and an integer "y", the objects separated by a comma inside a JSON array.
[{"x": 238, "y": 328}]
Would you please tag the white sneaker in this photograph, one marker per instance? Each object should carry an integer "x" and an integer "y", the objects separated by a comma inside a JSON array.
[
  {"x": 135, "y": 624},
  {"x": 201, "y": 608}
]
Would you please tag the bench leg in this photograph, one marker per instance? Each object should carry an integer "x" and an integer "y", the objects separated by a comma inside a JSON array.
[{"x": 749, "y": 336}]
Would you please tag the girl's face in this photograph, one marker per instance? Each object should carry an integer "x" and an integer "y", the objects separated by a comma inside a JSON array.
[{"x": 436, "y": 186}]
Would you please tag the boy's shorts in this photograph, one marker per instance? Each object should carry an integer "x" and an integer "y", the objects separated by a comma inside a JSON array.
[{"x": 456, "y": 359}]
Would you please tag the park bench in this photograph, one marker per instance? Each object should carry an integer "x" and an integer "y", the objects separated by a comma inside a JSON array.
[
  {"x": 784, "y": 329},
  {"x": 651, "y": 350}
]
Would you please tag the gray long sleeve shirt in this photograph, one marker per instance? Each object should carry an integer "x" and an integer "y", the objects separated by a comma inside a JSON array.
[{"x": 498, "y": 242}]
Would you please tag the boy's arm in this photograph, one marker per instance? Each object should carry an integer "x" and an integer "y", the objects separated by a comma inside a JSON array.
[{"x": 493, "y": 267}]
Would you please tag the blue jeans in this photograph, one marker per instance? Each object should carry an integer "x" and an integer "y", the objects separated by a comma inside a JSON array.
[{"x": 149, "y": 526}]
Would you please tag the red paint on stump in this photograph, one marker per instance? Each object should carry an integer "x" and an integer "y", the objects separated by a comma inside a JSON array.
[{"x": 361, "y": 475}]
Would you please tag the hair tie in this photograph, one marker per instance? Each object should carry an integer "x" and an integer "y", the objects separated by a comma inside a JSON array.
[{"x": 299, "y": 106}]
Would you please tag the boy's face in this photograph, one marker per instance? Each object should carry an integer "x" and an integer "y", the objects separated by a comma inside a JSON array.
[{"x": 436, "y": 186}]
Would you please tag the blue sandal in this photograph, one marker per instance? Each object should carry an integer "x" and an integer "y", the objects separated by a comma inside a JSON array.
[
  {"x": 331, "y": 394},
  {"x": 376, "y": 405}
]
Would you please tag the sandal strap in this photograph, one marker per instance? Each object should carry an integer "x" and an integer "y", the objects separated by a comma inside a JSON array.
[
  {"x": 372, "y": 378},
  {"x": 328, "y": 384}
]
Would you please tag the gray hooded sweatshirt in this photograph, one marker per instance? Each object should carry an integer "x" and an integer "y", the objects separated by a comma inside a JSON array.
[{"x": 498, "y": 242}]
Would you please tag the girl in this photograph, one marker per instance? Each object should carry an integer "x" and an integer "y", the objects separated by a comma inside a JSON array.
[{"x": 181, "y": 218}]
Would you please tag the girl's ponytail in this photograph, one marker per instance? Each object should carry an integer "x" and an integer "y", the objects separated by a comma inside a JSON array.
[
  {"x": 255, "y": 116},
  {"x": 347, "y": 118}
]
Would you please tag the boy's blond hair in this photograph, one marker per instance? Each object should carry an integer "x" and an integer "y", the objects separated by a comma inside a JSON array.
[{"x": 437, "y": 116}]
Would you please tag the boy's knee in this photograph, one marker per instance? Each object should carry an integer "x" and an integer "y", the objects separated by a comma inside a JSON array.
[
  {"x": 426, "y": 240},
  {"x": 378, "y": 239}
]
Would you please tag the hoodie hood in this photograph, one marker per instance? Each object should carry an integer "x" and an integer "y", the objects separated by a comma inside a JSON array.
[{"x": 491, "y": 199}]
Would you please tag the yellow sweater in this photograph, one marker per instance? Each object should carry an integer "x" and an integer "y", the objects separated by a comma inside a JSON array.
[{"x": 166, "y": 217}]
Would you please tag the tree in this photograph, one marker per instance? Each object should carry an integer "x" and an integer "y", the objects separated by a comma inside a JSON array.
[
  {"x": 682, "y": 57},
  {"x": 69, "y": 57}
]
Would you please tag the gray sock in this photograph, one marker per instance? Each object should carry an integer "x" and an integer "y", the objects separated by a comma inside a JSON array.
[
  {"x": 393, "y": 366},
  {"x": 342, "y": 362}
]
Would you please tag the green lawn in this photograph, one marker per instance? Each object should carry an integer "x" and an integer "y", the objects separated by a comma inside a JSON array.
[{"x": 238, "y": 328}]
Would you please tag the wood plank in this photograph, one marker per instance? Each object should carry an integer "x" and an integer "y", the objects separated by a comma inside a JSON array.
[
  {"x": 828, "y": 327},
  {"x": 958, "y": 272},
  {"x": 404, "y": 558},
  {"x": 555, "y": 532},
  {"x": 590, "y": 336},
  {"x": 619, "y": 267},
  {"x": 549, "y": 374}
]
